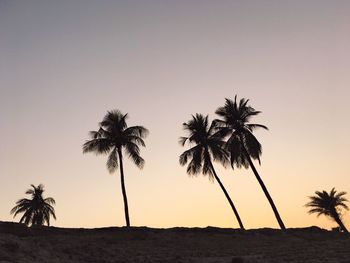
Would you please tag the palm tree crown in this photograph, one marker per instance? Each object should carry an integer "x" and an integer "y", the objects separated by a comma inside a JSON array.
[
  {"x": 113, "y": 138},
  {"x": 328, "y": 204},
  {"x": 235, "y": 124},
  {"x": 37, "y": 210},
  {"x": 208, "y": 145}
]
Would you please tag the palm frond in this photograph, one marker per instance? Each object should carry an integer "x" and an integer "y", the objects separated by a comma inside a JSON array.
[
  {"x": 50, "y": 201},
  {"x": 98, "y": 146},
  {"x": 135, "y": 139},
  {"x": 188, "y": 154},
  {"x": 207, "y": 166},
  {"x": 112, "y": 161},
  {"x": 133, "y": 151},
  {"x": 252, "y": 127},
  {"x": 183, "y": 140},
  {"x": 195, "y": 165},
  {"x": 234, "y": 148},
  {"x": 252, "y": 145},
  {"x": 218, "y": 152},
  {"x": 138, "y": 131}
]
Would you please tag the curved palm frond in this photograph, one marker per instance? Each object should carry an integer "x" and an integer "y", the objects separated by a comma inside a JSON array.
[
  {"x": 112, "y": 161},
  {"x": 183, "y": 140},
  {"x": 50, "y": 200},
  {"x": 98, "y": 146},
  {"x": 252, "y": 127},
  {"x": 137, "y": 131},
  {"x": 133, "y": 151},
  {"x": 253, "y": 146}
]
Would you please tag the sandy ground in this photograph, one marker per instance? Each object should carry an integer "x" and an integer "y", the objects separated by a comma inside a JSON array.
[{"x": 21, "y": 244}]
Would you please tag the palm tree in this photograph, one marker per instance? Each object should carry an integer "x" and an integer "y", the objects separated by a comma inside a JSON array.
[
  {"x": 114, "y": 138},
  {"x": 208, "y": 145},
  {"x": 242, "y": 145},
  {"x": 329, "y": 204},
  {"x": 37, "y": 210}
]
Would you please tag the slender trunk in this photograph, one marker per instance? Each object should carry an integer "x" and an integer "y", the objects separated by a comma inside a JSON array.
[
  {"x": 339, "y": 222},
  {"x": 228, "y": 197},
  {"x": 277, "y": 215},
  {"x": 126, "y": 209}
]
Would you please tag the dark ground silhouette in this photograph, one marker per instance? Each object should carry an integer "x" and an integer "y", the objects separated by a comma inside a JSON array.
[{"x": 19, "y": 243}]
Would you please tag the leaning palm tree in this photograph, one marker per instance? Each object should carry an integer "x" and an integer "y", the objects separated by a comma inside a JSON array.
[
  {"x": 115, "y": 138},
  {"x": 329, "y": 204},
  {"x": 242, "y": 145},
  {"x": 37, "y": 210},
  {"x": 208, "y": 145}
]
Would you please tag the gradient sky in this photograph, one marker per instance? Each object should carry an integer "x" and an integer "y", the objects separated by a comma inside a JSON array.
[{"x": 65, "y": 63}]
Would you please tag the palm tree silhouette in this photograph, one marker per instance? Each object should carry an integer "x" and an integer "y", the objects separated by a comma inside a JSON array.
[
  {"x": 37, "y": 210},
  {"x": 208, "y": 145},
  {"x": 114, "y": 137},
  {"x": 329, "y": 204},
  {"x": 242, "y": 145}
]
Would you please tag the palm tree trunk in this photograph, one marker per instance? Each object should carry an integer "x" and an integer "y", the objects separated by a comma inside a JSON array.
[
  {"x": 340, "y": 223},
  {"x": 126, "y": 209},
  {"x": 228, "y": 197},
  {"x": 262, "y": 185}
]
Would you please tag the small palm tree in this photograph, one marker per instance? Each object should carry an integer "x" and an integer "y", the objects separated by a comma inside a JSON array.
[
  {"x": 208, "y": 145},
  {"x": 329, "y": 204},
  {"x": 37, "y": 210},
  {"x": 242, "y": 145},
  {"x": 113, "y": 138}
]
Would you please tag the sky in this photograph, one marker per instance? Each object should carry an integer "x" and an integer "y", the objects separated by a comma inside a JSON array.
[{"x": 64, "y": 64}]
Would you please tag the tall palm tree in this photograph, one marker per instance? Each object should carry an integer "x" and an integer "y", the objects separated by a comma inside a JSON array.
[
  {"x": 208, "y": 145},
  {"x": 242, "y": 145},
  {"x": 37, "y": 210},
  {"x": 115, "y": 138},
  {"x": 329, "y": 204}
]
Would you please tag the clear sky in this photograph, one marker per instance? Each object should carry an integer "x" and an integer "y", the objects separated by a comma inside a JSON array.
[{"x": 65, "y": 63}]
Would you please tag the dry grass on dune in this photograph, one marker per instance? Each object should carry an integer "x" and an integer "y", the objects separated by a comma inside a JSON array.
[{"x": 140, "y": 244}]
